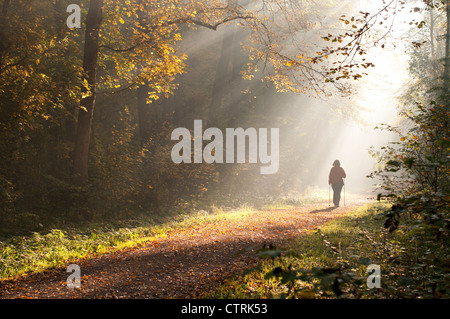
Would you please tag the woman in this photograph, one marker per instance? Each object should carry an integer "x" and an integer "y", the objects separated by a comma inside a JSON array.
[{"x": 336, "y": 179}]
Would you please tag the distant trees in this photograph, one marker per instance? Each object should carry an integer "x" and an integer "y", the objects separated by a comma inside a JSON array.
[
  {"x": 78, "y": 107},
  {"x": 415, "y": 170},
  {"x": 137, "y": 42}
]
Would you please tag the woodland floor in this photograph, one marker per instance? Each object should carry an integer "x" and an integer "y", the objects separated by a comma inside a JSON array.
[{"x": 186, "y": 264}]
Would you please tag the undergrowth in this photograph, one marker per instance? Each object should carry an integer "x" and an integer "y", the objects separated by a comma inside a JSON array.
[
  {"x": 21, "y": 255},
  {"x": 333, "y": 260}
]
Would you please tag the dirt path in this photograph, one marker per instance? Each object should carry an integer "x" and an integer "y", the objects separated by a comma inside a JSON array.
[{"x": 185, "y": 264}]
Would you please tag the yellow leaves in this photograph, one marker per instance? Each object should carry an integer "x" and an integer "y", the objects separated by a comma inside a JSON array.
[
  {"x": 191, "y": 14},
  {"x": 121, "y": 20},
  {"x": 414, "y": 137}
]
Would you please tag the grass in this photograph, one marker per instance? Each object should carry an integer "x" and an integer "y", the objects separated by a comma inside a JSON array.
[
  {"x": 36, "y": 251},
  {"x": 332, "y": 262},
  {"x": 21, "y": 255},
  {"x": 327, "y": 263},
  {"x": 295, "y": 199}
]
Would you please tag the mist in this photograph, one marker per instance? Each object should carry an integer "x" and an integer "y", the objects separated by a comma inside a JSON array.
[
  {"x": 315, "y": 129},
  {"x": 240, "y": 149}
]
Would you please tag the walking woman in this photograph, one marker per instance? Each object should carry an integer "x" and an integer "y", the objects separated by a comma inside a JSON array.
[{"x": 336, "y": 180}]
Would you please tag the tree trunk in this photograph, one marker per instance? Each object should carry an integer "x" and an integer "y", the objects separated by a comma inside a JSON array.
[
  {"x": 85, "y": 115},
  {"x": 447, "y": 48},
  {"x": 3, "y": 31},
  {"x": 432, "y": 31},
  {"x": 70, "y": 122},
  {"x": 144, "y": 116}
]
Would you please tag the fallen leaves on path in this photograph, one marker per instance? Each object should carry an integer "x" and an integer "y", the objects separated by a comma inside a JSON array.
[{"x": 185, "y": 264}]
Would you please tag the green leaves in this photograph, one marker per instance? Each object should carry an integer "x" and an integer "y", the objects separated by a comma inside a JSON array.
[
  {"x": 269, "y": 252},
  {"x": 419, "y": 161},
  {"x": 393, "y": 163},
  {"x": 284, "y": 276},
  {"x": 364, "y": 261},
  {"x": 409, "y": 162}
]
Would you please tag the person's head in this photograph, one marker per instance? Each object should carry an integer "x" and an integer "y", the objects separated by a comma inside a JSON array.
[{"x": 336, "y": 163}]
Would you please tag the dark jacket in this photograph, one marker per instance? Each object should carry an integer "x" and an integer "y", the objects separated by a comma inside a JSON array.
[{"x": 336, "y": 176}]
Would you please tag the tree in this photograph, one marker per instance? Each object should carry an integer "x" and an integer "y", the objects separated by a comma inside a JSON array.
[
  {"x": 90, "y": 64},
  {"x": 447, "y": 47},
  {"x": 147, "y": 53},
  {"x": 414, "y": 171},
  {"x": 138, "y": 41}
]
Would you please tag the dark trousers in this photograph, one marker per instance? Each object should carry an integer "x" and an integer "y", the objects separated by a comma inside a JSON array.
[{"x": 337, "y": 188}]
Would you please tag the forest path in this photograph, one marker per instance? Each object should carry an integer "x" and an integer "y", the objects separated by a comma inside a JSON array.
[{"x": 185, "y": 264}]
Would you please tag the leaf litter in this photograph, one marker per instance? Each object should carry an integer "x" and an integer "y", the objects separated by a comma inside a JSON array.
[{"x": 188, "y": 263}]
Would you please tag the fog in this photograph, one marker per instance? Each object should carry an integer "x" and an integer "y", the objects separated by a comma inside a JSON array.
[
  {"x": 376, "y": 102},
  {"x": 315, "y": 128}
]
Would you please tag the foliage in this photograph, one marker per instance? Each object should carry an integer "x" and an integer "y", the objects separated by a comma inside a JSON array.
[
  {"x": 419, "y": 161},
  {"x": 414, "y": 171},
  {"x": 141, "y": 44},
  {"x": 42, "y": 82},
  {"x": 39, "y": 80}
]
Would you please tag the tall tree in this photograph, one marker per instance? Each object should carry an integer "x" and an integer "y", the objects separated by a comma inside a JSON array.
[
  {"x": 86, "y": 114},
  {"x": 3, "y": 30},
  {"x": 140, "y": 49},
  {"x": 447, "y": 47}
]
